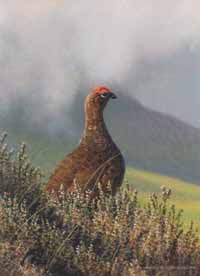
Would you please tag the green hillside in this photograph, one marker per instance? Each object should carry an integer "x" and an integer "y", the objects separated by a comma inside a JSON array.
[
  {"x": 42, "y": 150},
  {"x": 185, "y": 195}
]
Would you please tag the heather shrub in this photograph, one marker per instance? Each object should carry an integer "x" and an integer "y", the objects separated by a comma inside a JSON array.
[
  {"x": 18, "y": 178},
  {"x": 76, "y": 235}
]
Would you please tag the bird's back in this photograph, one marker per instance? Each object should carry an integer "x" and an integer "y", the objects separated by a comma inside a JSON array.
[{"x": 88, "y": 166}]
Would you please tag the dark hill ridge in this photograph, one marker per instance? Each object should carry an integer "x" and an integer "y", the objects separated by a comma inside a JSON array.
[
  {"x": 149, "y": 140},
  {"x": 155, "y": 141}
]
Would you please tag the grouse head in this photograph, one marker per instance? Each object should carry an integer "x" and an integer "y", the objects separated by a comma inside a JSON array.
[{"x": 98, "y": 98}]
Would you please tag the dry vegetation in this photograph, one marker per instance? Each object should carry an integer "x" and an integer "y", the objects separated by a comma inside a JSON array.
[{"x": 41, "y": 235}]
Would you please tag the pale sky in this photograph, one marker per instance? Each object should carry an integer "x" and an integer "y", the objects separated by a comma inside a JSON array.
[{"x": 149, "y": 48}]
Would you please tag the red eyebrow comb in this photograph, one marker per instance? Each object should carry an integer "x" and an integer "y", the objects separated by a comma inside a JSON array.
[{"x": 101, "y": 89}]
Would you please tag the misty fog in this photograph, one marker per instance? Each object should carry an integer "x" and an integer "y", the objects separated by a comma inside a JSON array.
[{"x": 52, "y": 50}]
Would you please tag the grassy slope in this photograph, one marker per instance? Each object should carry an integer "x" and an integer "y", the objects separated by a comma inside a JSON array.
[{"x": 185, "y": 195}]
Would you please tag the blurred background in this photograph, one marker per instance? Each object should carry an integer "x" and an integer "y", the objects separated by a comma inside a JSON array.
[{"x": 53, "y": 52}]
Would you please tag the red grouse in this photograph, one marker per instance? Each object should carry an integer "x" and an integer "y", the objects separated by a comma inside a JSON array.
[{"x": 96, "y": 159}]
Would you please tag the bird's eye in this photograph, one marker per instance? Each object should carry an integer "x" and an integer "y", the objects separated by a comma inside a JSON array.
[{"x": 104, "y": 95}]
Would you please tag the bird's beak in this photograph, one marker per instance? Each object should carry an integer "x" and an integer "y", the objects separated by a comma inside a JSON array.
[{"x": 113, "y": 96}]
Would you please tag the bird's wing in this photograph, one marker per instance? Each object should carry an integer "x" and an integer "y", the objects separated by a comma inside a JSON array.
[{"x": 65, "y": 173}]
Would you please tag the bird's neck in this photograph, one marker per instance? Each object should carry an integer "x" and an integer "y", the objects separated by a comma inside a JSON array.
[
  {"x": 95, "y": 130},
  {"x": 94, "y": 121}
]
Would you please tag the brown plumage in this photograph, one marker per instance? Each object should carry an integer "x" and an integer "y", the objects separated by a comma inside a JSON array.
[{"x": 97, "y": 159}]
